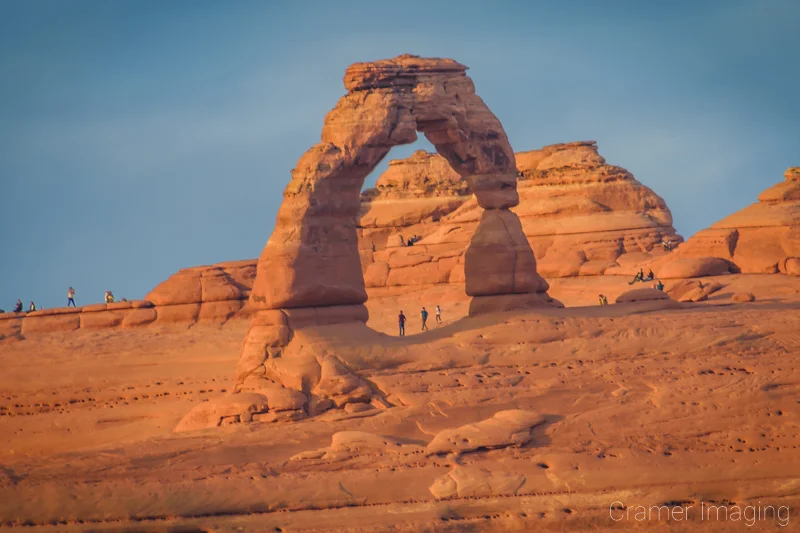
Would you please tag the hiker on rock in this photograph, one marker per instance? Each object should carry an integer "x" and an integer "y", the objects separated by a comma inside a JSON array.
[
  {"x": 32, "y": 307},
  {"x": 401, "y": 321},
  {"x": 109, "y": 297},
  {"x": 603, "y": 299},
  {"x": 438, "y": 315},
  {"x": 639, "y": 277},
  {"x": 18, "y": 306},
  {"x": 71, "y": 297},
  {"x": 660, "y": 285},
  {"x": 650, "y": 275},
  {"x": 424, "y": 315}
]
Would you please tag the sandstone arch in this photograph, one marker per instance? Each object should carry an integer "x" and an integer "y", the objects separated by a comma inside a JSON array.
[
  {"x": 309, "y": 273},
  {"x": 312, "y": 259}
]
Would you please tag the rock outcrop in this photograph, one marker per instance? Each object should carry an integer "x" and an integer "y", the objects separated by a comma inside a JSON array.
[
  {"x": 309, "y": 273},
  {"x": 763, "y": 238},
  {"x": 580, "y": 215},
  {"x": 207, "y": 293}
]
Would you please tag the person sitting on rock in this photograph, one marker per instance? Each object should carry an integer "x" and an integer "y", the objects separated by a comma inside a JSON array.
[
  {"x": 650, "y": 276},
  {"x": 410, "y": 242},
  {"x": 424, "y": 316},
  {"x": 660, "y": 285},
  {"x": 603, "y": 299},
  {"x": 639, "y": 277},
  {"x": 401, "y": 321},
  {"x": 667, "y": 246},
  {"x": 32, "y": 307},
  {"x": 18, "y": 306},
  {"x": 109, "y": 297}
]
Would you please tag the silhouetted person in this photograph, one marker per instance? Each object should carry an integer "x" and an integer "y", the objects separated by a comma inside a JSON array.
[
  {"x": 401, "y": 321},
  {"x": 660, "y": 285},
  {"x": 18, "y": 306},
  {"x": 650, "y": 275},
  {"x": 32, "y": 307},
  {"x": 71, "y": 297},
  {"x": 438, "y": 315},
  {"x": 424, "y": 315}
]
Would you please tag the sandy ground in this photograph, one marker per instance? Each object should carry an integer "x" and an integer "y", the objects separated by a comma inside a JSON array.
[{"x": 642, "y": 405}]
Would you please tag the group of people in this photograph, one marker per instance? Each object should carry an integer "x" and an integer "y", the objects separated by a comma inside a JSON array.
[
  {"x": 640, "y": 277},
  {"x": 411, "y": 241},
  {"x": 108, "y": 298},
  {"x": 18, "y": 307},
  {"x": 401, "y": 319}
]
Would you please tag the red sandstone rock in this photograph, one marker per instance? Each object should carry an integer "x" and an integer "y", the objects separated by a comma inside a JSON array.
[
  {"x": 580, "y": 215},
  {"x": 743, "y": 297},
  {"x": 230, "y": 281},
  {"x": 210, "y": 414},
  {"x": 182, "y": 313},
  {"x": 759, "y": 238},
  {"x": 51, "y": 323},
  {"x": 139, "y": 317},
  {"x": 315, "y": 231},
  {"x": 642, "y": 295},
  {"x": 692, "y": 267}
]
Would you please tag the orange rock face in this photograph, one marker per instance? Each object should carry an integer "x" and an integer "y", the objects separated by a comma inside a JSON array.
[
  {"x": 761, "y": 238},
  {"x": 581, "y": 217},
  {"x": 310, "y": 272}
]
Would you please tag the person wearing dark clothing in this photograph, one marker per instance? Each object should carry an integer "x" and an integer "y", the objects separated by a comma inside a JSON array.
[
  {"x": 32, "y": 307},
  {"x": 410, "y": 242},
  {"x": 71, "y": 297},
  {"x": 650, "y": 275},
  {"x": 639, "y": 277},
  {"x": 660, "y": 285},
  {"x": 424, "y": 316},
  {"x": 18, "y": 306},
  {"x": 401, "y": 321}
]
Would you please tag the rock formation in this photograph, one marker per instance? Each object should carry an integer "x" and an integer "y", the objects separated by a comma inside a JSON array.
[
  {"x": 309, "y": 273},
  {"x": 763, "y": 238},
  {"x": 580, "y": 215}
]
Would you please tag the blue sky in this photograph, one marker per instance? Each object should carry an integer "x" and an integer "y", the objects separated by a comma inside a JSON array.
[{"x": 141, "y": 137}]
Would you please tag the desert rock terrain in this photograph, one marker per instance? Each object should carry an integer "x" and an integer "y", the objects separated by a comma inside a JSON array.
[{"x": 276, "y": 394}]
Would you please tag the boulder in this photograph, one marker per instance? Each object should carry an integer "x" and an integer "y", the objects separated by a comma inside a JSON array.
[
  {"x": 743, "y": 297},
  {"x": 692, "y": 267},
  {"x": 694, "y": 295},
  {"x": 792, "y": 266},
  {"x": 505, "y": 429},
  {"x": 642, "y": 295},
  {"x": 236, "y": 407}
]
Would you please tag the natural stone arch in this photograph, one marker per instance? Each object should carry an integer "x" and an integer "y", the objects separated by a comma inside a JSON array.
[
  {"x": 309, "y": 274},
  {"x": 312, "y": 258}
]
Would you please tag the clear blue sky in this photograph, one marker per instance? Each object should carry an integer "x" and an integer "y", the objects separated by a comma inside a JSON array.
[{"x": 141, "y": 137}]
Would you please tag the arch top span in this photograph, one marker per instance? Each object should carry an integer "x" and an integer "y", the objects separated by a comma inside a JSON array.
[{"x": 312, "y": 260}]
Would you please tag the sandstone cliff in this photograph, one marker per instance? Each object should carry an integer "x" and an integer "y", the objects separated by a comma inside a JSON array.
[
  {"x": 761, "y": 238},
  {"x": 580, "y": 215}
]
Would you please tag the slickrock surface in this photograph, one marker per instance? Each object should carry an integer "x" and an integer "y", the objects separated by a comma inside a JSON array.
[
  {"x": 763, "y": 238},
  {"x": 581, "y": 216},
  {"x": 564, "y": 412}
]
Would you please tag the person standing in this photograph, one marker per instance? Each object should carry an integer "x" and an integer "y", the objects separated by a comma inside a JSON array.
[
  {"x": 424, "y": 315},
  {"x": 401, "y": 320},
  {"x": 438, "y": 315},
  {"x": 71, "y": 297}
]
